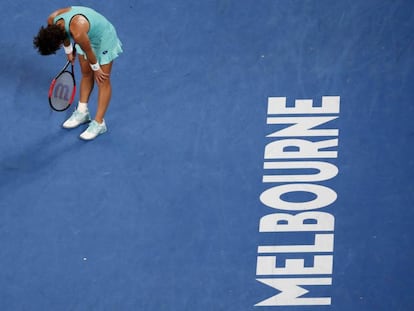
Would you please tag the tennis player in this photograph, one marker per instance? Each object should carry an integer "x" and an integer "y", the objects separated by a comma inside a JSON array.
[{"x": 97, "y": 45}]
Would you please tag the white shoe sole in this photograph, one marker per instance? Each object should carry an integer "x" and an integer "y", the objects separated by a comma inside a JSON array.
[{"x": 74, "y": 125}]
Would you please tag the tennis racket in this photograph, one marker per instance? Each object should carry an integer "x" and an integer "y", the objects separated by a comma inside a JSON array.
[{"x": 62, "y": 90}]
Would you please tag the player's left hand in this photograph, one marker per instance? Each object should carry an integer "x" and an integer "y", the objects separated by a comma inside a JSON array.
[
  {"x": 71, "y": 58},
  {"x": 100, "y": 76}
]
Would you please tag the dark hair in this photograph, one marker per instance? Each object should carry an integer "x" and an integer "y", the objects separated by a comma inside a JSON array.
[{"x": 49, "y": 39}]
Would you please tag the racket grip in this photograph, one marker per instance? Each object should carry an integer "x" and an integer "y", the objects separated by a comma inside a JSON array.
[{"x": 74, "y": 49}]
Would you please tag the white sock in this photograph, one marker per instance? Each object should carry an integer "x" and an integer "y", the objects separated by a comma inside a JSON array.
[{"x": 82, "y": 107}]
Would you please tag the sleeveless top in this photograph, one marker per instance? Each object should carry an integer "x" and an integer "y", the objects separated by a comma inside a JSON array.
[
  {"x": 102, "y": 34},
  {"x": 97, "y": 22}
]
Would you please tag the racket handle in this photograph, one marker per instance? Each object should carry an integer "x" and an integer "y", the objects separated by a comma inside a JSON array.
[{"x": 74, "y": 49}]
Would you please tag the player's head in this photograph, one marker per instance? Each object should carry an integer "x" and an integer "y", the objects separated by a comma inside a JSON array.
[{"x": 49, "y": 39}]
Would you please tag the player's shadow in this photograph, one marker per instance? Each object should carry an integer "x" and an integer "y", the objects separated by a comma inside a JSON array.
[{"x": 24, "y": 166}]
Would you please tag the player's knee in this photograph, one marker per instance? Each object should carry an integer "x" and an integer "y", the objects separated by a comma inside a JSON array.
[
  {"x": 106, "y": 83},
  {"x": 87, "y": 75}
]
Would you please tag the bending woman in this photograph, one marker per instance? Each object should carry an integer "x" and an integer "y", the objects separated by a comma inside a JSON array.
[{"x": 97, "y": 45}]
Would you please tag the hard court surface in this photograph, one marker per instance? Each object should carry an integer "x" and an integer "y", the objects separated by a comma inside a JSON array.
[{"x": 162, "y": 212}]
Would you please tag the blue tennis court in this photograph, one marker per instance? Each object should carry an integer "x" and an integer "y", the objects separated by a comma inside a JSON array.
[{"x": 259, "y": 156}]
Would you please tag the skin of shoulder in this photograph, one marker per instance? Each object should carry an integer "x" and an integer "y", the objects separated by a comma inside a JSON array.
[{"x": 79, "y": 25}]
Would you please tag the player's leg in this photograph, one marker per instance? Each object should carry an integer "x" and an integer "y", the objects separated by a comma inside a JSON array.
[
  {"x": 104, "y": 94},
  {"x": 98, "y": 126},
  {"x": 81, "y": 114},
  {"x": 87, "y": 81}
]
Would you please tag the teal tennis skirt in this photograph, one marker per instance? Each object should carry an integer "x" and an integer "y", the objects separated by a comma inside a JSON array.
[{"x": 107, "y": 48}]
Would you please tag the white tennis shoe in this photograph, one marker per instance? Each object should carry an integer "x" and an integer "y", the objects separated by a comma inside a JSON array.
[
  {"x": 93, "y": 130},
  {"x": 77, "y": 118}
]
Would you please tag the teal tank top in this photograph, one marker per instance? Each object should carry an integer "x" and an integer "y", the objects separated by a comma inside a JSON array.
[{"x": 98, "y": 24}]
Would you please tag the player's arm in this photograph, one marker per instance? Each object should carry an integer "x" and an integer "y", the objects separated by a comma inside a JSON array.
[
  {"x": 83, "y": 40},
  {"x": 79, "y": 28}
]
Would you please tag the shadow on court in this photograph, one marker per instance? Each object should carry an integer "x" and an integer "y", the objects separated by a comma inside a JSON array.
[{"x": 30, "y": 160}]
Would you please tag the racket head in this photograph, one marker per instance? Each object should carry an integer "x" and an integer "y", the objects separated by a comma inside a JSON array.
[{"x": 62, "y": 90}]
